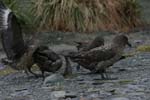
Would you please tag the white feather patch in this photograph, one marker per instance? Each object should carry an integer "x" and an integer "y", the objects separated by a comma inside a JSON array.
[{"x": 5, "y": 18}]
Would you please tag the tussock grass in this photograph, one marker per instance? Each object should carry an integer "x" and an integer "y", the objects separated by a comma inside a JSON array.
[
  {"x": 77, "y": 15},
  {"x": 86, "y": 15},
  {"x": 143, "y": 48},
  {"x": 7, "y": 71},
  {"x": 25, "y": 17}
]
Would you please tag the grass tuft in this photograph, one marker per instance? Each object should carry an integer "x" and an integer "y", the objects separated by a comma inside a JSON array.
[
  {"x": 78, "y": 15},
  {"x": 6, "y": 71},
  {"x": 144, "y": 48},
  {"x": 86, "y": 15}
]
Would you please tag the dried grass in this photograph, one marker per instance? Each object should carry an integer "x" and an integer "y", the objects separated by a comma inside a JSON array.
[{"x": 86, "y": 15}]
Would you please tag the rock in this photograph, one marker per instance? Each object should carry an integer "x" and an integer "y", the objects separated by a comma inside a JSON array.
[
  {"x": 57, "y": 95},
  {"x": 144, "y": 80},
  {"x": 2, "y": 66},
  {"x": 71, "y": 95},
  {"x": 94, "y": 95},
  {"x": 107, "y": 85},
  {"x": 138, "y": 41},
  {"x": 19, "y": 98},
  {"x": 137, "y": 88},
  {"x": 122, "y": 69},
  {"x": 97, "y": 83},
  {"x": 52, "y": 79},
  {"x": 105, "y": 93},
  {"x": 59, "y": 38},
  {"x": 24, "y": 92},
  {"x": 137, "y": 94},
  {"x": 120, "y": 98}
]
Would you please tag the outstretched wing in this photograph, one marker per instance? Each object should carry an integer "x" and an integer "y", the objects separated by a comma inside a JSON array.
[{"x": 11, "y": 33}]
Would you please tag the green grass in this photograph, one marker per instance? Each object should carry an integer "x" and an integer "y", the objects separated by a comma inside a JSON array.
[
  {"x": 22, "y": 11},
  {"x": 143, "y": 48},
  {"x": 7, "y": 71}
]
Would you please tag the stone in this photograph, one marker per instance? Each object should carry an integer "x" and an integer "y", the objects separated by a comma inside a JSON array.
[
  {"x": 137, "y": 94},
  {"x": 54, "y": 78},
  {"x": 2, "y": 66},
  {"x": 19, "y": 98},
  {"x": 55, "y": 95},
  {"x": 71, "y": 95},
  {"x": 20, "y": 93},
  {"x": 137, "y": 88},
  {"x": 120, "y": 98}
]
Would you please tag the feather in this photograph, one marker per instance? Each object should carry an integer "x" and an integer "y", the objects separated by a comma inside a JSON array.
[{"x": 11, "y": 33}]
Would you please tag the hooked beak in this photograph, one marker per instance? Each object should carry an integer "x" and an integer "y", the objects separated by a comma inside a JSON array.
[
  {"x": 129, "y": 44},
  {"x": 102, "y": 43}
]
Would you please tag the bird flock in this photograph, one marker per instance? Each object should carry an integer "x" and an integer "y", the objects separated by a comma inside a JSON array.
[{"x": 94, "y": 56}]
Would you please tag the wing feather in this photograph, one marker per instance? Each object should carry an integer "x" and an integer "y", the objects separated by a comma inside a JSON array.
[{"x": 11, "y": 33}]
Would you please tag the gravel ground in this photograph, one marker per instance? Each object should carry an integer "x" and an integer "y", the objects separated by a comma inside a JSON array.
[{"x": 130, "y": 79}]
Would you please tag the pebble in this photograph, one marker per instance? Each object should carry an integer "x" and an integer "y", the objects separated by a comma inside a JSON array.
[
  {"x": 71, "y": 95},
  {"x": 52, "y": 79},
  {"x": 120, "y": 98},
  {"x": 2, "y": 66},
  {"x": 19, "y": 98},
  {"x": 137, "y": 94},
  {"x": 57, "y": 94},
  {"x": 135, "y": 87},
  {"x": 88, "y": 85},
  {"x": 20, "y": 93}
]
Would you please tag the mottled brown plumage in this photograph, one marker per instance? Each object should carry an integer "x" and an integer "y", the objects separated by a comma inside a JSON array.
[
  {"x": 85, "y": 46},
  {"x": 81, "y": 46},
  {"x": 25, "y": 62},
  {"x": 21, "y": 56},
  {"x": 47, "y": 60},
  {"x": 91, "y": 59}
]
